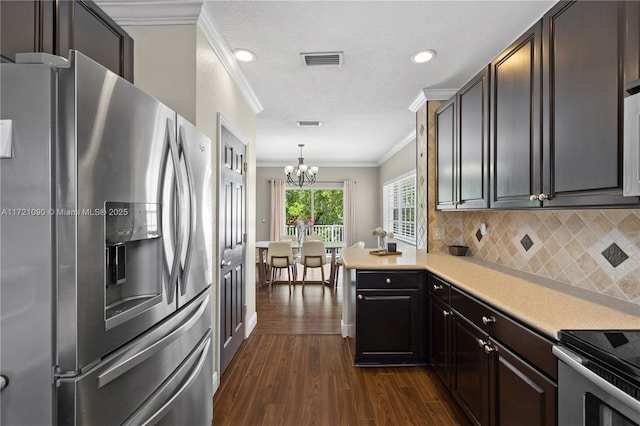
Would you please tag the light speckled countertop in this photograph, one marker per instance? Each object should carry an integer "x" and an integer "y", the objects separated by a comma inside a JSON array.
[{"x": 545, "y": 305}]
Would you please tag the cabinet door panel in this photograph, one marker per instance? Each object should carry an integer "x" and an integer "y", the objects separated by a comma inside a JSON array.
[
  {"x": 515, "y": 127},
  {"x": 26, "y": 26},
  {"x": 583, "y": 92},
  {"x": 473, "y": 140},
  {"x": 439, "y": 343},
  {"x": 95, "y": 38},
  {"x": 388, "y": 325},
  {"x": 523, "y": 396},
  {"x": 445, "y": 145},
  {"x": 470, "y": 384}
]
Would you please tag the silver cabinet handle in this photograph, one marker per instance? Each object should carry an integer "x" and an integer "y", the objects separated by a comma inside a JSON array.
[
  {"x": 488, "y": 349},
  {"x": 446, "y": 313},
  {"x": 359, "y": 297},
  {"x": 3, "y": 382},
  {"x": 225, "y": 263},
  {"x": 488, "y": 320},
  {"x": 533, "y": 197},
  {"x": 481, "y": 343},
  {"x": 543, "y": 197},
  {"x": 437, "y": 287},
  {"x": 388, "y": 280}
]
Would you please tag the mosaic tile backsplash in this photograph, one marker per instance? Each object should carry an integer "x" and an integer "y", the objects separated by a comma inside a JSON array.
[{"x": 598, "y": 250}]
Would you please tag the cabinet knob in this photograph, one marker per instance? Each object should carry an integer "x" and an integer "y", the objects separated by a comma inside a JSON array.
[
  {"x": 533, "y": 197},
  {"x": 359, "y": 297},
  {"x": 543, "y": 197},
  {"x": 446, "y": 313},
  {"x": 388, "y": 280},
  {"x": 488, "y": 320},
  {"x": 481, "y": 343},
  {"x": 3, "y": 382},
  {"x": 437, "y": 287}
]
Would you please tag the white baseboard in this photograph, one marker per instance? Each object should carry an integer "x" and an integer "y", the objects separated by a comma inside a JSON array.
[
  {"x": 251, "y": 324},
  {"x": 347, "y": 329},
  {"x": 216, "y": 382}
]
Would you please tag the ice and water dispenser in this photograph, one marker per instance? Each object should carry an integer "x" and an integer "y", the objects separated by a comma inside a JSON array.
[{"x": 133, "y": 260}]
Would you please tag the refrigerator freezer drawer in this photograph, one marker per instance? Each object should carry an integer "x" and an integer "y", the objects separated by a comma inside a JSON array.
[{"x": 151, "y": 379}]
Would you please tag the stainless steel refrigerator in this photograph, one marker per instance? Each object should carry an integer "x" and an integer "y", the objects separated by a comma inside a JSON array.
[{"x": 106, "y": 251}]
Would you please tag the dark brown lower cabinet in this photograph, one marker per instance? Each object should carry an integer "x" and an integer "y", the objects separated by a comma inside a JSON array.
[
  {"x": 439, "y": 341},
  {"x": 390, "y": 318},
  {"x": 498, "y": 371},
  {"x": 471, "y": 371},
  {"x": 523, "y": 395}
]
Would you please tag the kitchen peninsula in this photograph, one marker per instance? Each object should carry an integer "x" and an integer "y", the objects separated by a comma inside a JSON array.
[
  {"x": 487, "y": 331},
  {"x": 542, "y": 304}
]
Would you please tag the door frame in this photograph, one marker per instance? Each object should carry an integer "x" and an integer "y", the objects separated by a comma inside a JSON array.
[{"x": 223, "y": 122}]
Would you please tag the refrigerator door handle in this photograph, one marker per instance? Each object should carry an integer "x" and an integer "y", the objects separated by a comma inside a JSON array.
[
  {"x": 192, "y": 210},
  {"x": 151, "y": 348},
  {"x": 164, "y": 398},
  {"x": 175, "y": 157}
]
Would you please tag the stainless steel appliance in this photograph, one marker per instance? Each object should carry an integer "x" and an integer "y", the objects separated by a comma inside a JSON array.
[
  {"x": 631, "y": 180},
  {"x": 106, "y": 245},
  {"x": 599, "y": 378}
]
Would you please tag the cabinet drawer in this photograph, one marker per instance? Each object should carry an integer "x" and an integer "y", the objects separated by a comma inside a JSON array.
[
  {"x": 439, "y": 289},
  {"x": 388, "y": 279},
  {"x": 525, "y": 342}
]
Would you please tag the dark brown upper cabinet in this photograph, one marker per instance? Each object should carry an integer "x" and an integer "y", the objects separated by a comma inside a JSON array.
[
  {"x": 463, "y": 147},
  {"x": 583, "y": 92},
  {"x": 57, "y": 26},
  {"x": 445, "y": 154},
  {"x": 515, "y": 133}
]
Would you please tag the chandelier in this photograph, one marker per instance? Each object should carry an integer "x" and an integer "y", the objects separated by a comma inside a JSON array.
[{"x": 302, "y": 174}]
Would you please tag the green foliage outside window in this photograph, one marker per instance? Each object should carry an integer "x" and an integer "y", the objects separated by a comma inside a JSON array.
[{"x": 324, "y": 206}]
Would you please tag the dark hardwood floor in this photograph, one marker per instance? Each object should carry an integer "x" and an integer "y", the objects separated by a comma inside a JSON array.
[{"x": 296, "y": 369}]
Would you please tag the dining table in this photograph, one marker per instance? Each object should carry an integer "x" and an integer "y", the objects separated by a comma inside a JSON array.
[{"x": 331, "y": 246}]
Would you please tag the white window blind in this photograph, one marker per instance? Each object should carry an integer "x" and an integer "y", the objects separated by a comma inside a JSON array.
[{"x": 399, "y": 203}]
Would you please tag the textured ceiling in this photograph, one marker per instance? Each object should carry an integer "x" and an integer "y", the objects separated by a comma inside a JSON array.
[{"x": 364, "y": 104}]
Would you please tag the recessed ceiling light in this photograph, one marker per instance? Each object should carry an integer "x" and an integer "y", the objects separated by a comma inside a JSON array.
[
  {"x": 423, "y": 56},
  {"x": 244, "y": 55}
]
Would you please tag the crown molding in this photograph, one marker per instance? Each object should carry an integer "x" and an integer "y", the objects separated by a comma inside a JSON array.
[
  {"x": 224, "y": 53},
  {"x": 439, "y": 94},
  {"x": 152, "y": 12},
  {"x": 417, "y": 102},
  {"x": 397, "y": 147}
]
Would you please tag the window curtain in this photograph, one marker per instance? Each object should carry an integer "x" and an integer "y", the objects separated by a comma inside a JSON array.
[
  {"x": 349, "y": 193},
  {"x": 277, "y": 211}
]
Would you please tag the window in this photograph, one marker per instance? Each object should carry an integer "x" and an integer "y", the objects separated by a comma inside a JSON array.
[
  {"x": 323, "y": 206},
  {"x": 399, "y": 204}
]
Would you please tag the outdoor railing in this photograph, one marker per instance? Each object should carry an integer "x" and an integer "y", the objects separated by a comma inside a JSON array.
[{"x": 328, "y": 232}]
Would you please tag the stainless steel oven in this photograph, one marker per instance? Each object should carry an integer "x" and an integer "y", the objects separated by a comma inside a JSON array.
[{"x": 596, "y": 387}]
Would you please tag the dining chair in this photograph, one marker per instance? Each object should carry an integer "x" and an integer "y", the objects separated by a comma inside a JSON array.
[
  {"x": 313, "y": 256},
  {"x": 280, "y": 256},
  {"x": 313, "y": 237},
  {"x": 359, "y": 244}
]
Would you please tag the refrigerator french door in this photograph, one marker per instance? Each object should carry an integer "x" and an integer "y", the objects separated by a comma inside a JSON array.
[{"x": 117, "y": 250}]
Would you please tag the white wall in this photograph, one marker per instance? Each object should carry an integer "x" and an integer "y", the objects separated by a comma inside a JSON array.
[
  {"x": 176, "y": 64},
  {"x": 164, "y": 65},
  {"x": 368, "y": 214},
  {"x": 402, "y": 162}
]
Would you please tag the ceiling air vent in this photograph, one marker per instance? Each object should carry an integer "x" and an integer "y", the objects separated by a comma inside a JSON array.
[
  {"x": 322, "y": 59},
  {"x": 309, "y": 123}
]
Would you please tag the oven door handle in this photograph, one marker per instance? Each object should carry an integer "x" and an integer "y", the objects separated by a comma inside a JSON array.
[{"x": 575, "y": 362}]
